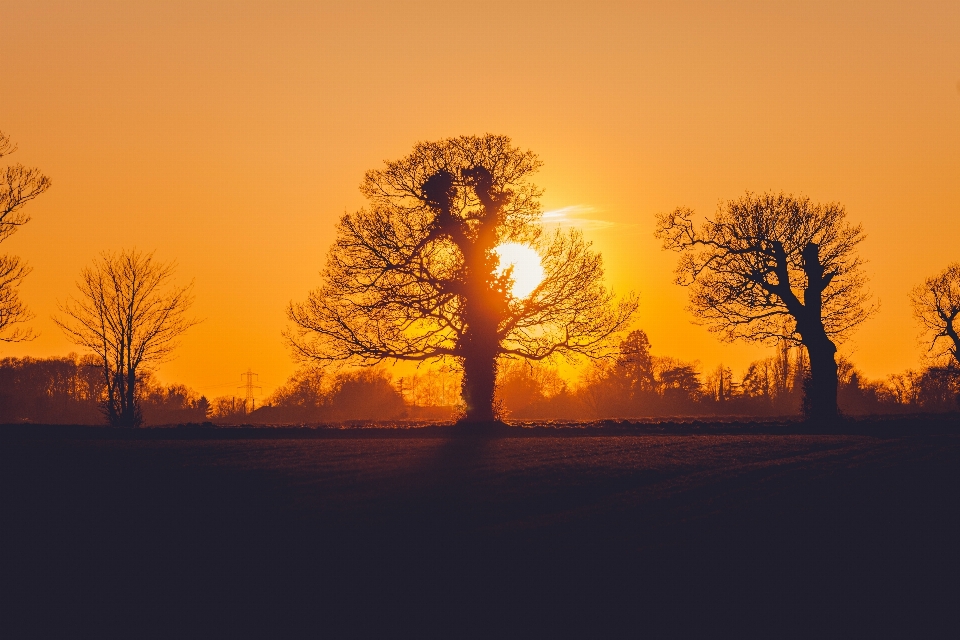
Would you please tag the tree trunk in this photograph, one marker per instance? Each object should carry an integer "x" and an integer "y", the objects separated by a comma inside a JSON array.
[
  {"x": 479, "y": 385},
  {"x": 820, "y": 394},
  {"x": 955, "y": 338},
  {"x": 485, "y": 300},
  {"x": 128, "y": 419},
  {"x": 122, "y": 407}
]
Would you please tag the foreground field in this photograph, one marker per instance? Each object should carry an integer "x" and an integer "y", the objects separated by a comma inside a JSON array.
[
  {"x": 735, "y": 529},
  {"x": 742, "y": 497}
]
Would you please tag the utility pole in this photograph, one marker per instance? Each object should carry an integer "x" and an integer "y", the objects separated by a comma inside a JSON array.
[{"x": 248, "y": 386}]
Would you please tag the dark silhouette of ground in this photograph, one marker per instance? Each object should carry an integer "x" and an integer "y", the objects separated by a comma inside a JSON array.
[{"x": 676, "y": 513}]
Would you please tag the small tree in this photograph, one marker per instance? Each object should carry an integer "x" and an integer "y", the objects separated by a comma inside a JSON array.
[
  {"x": 773, "y": 267},
  {"x": 130, "y": 314},
  {"x": 936, "y": 304},
  {"x": 18, "y": 185},
  {"x": 415, "y": 277}
]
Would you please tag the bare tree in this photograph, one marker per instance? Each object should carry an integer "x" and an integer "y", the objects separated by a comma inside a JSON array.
[
  {"x": 415, "y": 277},
  {"x": 18, "y": 186},
  {"x": 772, "y": 267},
  {"x": 936, "y": 304},
  {"x": 131, "y": 315}
]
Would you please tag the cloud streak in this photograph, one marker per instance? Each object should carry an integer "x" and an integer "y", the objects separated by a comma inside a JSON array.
[{"x": 577, "y": 215}]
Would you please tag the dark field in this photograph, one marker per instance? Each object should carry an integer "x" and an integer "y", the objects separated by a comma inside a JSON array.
[{"x": 829, "y": 505}]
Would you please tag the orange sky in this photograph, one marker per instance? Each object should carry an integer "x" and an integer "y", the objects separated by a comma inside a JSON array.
[{"x": 231, "y": 136}]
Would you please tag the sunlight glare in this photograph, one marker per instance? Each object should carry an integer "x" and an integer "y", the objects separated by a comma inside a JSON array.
[{"x": 527, "y": 270}]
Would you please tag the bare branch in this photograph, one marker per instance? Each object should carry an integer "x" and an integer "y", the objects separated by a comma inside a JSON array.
[
  {"x": 130, "y": 314},
  {"x": 746, "y": 271},
  {"x": 936, "y": 305},
  {"x": 18, "y": 185}
]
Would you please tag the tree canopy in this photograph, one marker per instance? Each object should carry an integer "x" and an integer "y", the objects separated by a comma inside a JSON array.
[
  {"x": 747, "y": 267},
  {"x": 771, "y": 267},
  {"x": 415, "y": 275}
]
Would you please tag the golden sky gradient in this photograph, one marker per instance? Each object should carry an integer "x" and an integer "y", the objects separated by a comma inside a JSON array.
[{"x": 231, "y": 136}]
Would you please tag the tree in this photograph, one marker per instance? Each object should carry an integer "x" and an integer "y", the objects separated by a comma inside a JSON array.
[
  {"x": 19, "y": 186},
  {"x": 130, "y": 314},
  {"x": 415, "y": 277},
  {"x": 677, "y": 382},
  {"x": 936, "y": 304},
  {"x": 636, "y": 364},
  {"x": 772, "y": 267}
]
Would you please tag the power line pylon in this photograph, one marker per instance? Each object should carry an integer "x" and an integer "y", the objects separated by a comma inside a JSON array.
[{"x": 249, "y": 400}]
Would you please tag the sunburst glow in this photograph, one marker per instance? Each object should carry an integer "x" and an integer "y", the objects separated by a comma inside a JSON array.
[{"x": 527, "y": 268}]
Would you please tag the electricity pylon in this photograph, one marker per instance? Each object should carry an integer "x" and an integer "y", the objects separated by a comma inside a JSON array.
[{"x": 248, "y": 386}]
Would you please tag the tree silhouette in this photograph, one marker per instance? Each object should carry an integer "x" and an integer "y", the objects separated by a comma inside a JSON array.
[
  {"x": 130, "y": 315},
  {"x": 636, "y": 364},
  {"x": 63, "y": 390},
  {"x": 18, "y": 185},
  {"x": 936, "y": 304},
  {"x": 415, "y": 276},
  {"x": 772, "y": 267}
]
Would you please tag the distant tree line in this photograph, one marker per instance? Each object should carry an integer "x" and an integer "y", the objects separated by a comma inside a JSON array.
[
  {"x": 313, "y": 395},
  {"x": 72, "y": 390},
  {"x": 639, "y": 384}
]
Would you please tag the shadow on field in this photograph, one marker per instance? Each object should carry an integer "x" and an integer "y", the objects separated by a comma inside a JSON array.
[{"x": 674, "y": 506}]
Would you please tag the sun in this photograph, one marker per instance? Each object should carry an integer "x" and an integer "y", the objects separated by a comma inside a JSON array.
[{"x": 527, "y": 269}]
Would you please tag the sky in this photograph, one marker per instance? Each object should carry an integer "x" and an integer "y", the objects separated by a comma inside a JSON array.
[{"x": 230, "y": 137}]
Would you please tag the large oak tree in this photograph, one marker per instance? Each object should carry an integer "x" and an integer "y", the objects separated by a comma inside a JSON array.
[
  {"x": 771, "y": 267},
  {"x": 414, "y": 276}
]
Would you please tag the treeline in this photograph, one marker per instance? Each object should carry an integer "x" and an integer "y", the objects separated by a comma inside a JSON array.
[
  {"x": 640, "y": 384},
  {"x": 637, "y": 384},
  {"x": 51, "y": 391},
  {"x": 72, "y": 390},
  {"x": 313, "y": 395}
]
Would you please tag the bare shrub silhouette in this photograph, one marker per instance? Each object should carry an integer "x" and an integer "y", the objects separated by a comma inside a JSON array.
[
  {"x": 230, "y": 410},
  {"x": 311, "y": 395},
  {"x": 303, "y": 398},
  {"x": 18, "y": 186},
  {"x": 415, "y": 277},
  {"x": 365, "y": 395},
  {"x": 131, "y": 315},
  {"x": 170, "y": 404},
  {"x": 775, "y": 267}
]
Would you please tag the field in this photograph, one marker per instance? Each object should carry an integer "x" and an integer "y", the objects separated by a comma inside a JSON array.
[{"x": 885, "y": 494}]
